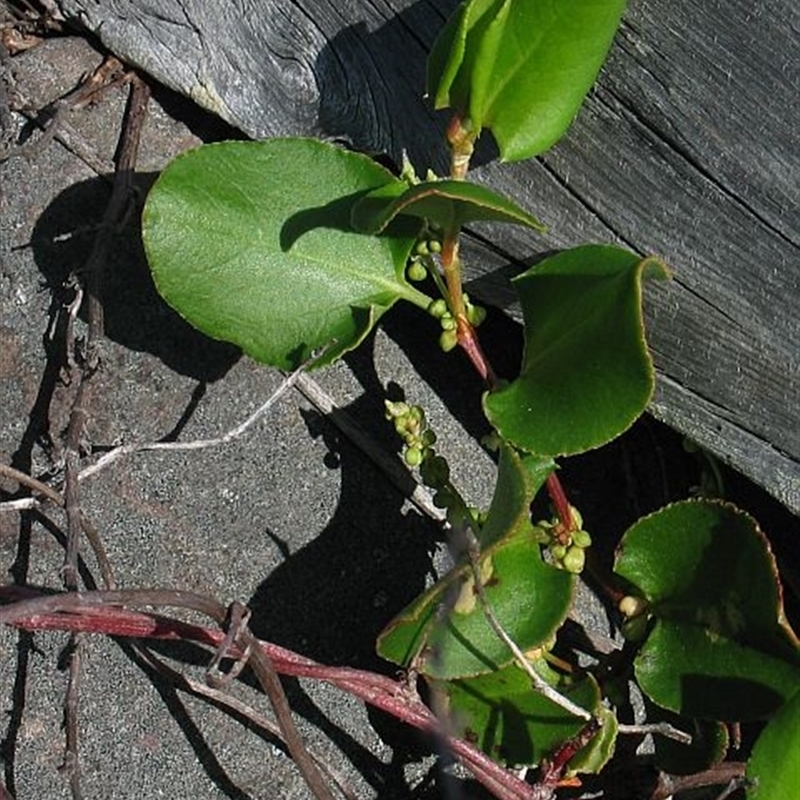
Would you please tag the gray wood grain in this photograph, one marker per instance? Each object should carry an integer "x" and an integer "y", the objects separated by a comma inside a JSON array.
[{"x": 688, "y": 148}]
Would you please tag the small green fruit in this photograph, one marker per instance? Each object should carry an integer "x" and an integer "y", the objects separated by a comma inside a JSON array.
[
  {"x": 438, "y": 308},
  {"x": 581, "y": 538},
  {"x": 413, "y": 456},
  {"x": 416, "y": 271},
  {"x": 476, "y": 315},
  {"x": 448, "y": 340},
  {"x": 575, "y": 559},
  {"x": 395, "y": 409},
  {"x": 448, "y": 322},
  {"x": 558, "y": 551}
]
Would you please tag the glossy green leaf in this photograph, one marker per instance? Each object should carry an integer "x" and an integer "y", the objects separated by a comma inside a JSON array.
[
  {"x": 521, "y": 67},
  {"x": 519, "y": 479},
  {"x": 773, "y": 770},
  {"x": 450, "y": 203},
  {"x": 252, "y": 243},
  {"x": 586, "y": 373},
  {"x": 593, "y": 756},
  {"x": 445, "y": 631},
  {"x": 720, "y": 647},
  {"x": 508, "y": 719}
]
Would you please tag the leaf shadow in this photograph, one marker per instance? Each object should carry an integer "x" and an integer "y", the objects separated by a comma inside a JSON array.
[
  {"x": 135, "y": 315},
  {"x": 334, "y": 216}
]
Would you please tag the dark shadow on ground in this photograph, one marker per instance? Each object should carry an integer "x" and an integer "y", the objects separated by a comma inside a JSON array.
[
  {"x": 330, "y": 599},
  {"x": 135, "y": 316}
]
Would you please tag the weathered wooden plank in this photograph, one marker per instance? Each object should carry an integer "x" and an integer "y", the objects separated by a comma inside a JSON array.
[{"x": 688, "y": 148}]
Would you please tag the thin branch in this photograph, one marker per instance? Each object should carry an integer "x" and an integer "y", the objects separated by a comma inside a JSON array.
[
  {"x": 23, "y": 479},
  {"x": 660, "y": 728},
  {"x": 197, "y": 444},
  {"x": 388, "y": 463},
  {"x": 730, "y": 774},
  {"x": 71, "y": 763},
  {"x": 104, "y": 612},
  {"x": 236, "y": 706}
]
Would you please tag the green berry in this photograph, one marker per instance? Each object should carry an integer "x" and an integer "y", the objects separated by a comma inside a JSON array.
[
  {"x": 448, "y": 340},
  {"x": 413, "y": 456},
  {"x": 448, "y": 322},
  {"x": 417, "y": 413},
  {"x": 395, "y": 409},
  {"x": 574, "y": 559},
  {"x": 581, "y": 538},
  {"x": 435, "y": 246},
  {"x": 438, "y": 308},
  {"x": 559, "y": 551},
  {"x": 421, "y": 248},
  {"x": 416, "y": 271},
  {"x": 476, "y": 315}
]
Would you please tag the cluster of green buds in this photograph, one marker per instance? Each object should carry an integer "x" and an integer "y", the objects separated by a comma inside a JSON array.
[
  {"x": 448, "y": 338},
  {"x": 429, "y": 244},
  {"x": 567, "y": 546},
  {"x": 412, "y": 427},
  {"x": 418, "y": 451}
]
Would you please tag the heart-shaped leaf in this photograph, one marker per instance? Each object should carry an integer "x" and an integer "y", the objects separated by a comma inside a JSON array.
[
  {"x": 449, "y": 203},
  {"x": 445, "y": 631},
  {"x": 521, "y": 67},
  {"x": 586, "y": 373},
  {"x": 720, "y": 647},
  {"x": 252, "y": 243},
  {"x": 773, "y": 770},
  {"x": 508, "y": 719}
]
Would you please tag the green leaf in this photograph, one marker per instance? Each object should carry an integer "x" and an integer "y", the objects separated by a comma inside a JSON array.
[
  {"x": 450, "y": 203},
  {"x": 521, "y": 67},
  {"x": 774, "y": 766},
  {"x": 252, "y": 243},
  {"x": 452, "y": 58},
  {"x": 508, "y": 719},
  {"x": 586, "y": 373},
  {"x": 593, "y": 756},
  {"x": 721, "y": 647},
  {"x": 445, "y": 631}
]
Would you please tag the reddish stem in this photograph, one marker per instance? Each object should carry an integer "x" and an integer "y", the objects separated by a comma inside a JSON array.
[
  {"x": 101, "y": 612},
  {"x": 560, "y": 502},
  {"x": 469, "y": 343}
]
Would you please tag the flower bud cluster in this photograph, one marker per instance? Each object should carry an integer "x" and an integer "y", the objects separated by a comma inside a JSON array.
[
  {"x": 566, "y": 547},
  {"x": 418, "y": 439},
  {"x": 448, "y": 338},
  {"x": 410, "y": 424}
]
